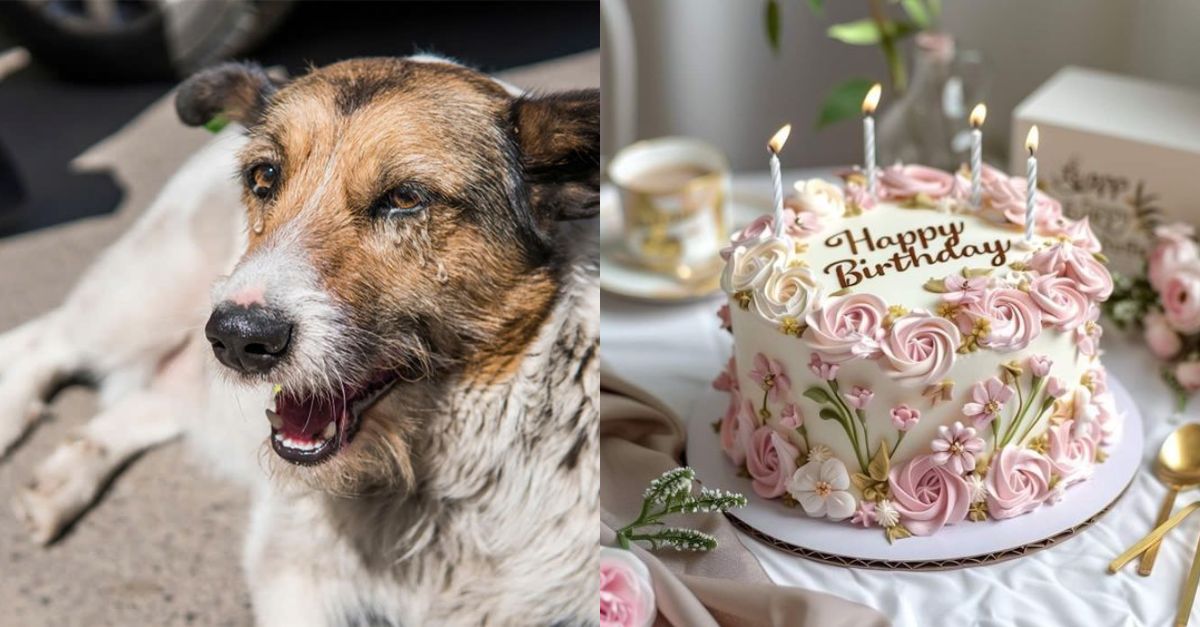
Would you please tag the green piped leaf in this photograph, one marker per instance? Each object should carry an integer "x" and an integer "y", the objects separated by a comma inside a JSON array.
[{"x": 819, "y": 395}]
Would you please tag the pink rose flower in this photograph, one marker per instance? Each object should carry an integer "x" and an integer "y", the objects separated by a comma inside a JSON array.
[
  {"x": 864, "y": 516},
  {"x": 824, "y": 370},
  {"x": 955, "y": 447},
  {"x": 626, "y": 592},
  {"x": 905, "y": 417},
  {"x": 1013, "y": 319},
  {"x": 1004, "y": 199},
  {"x": 987, "y": 400},
  {"x": 737, "y": 428},
  {"x": 796, "y": 225},
  {"x": 771, "y": 377},
  {"x": 1080, "y": 234},
  {"x": 961, "y": 290},
  {"x": 1187, "y": 373},
  {"x": 727, "y": 381},
  {"x": 859, "y": 397},
  {"x": 1087, "y": 335},
  {"x": 1039, "y": 365},
  {"x": 725, "y": 317},
  {"x": 771, "y": 462},
  {"x": 921, "y": 348},
  {"x": 1062, "y": 306},
  {"x": 1180, "y": 297},
  {"x": 1071, "y": 454},
  {"x": 1055, "y": 387},
  {"x": 1068, "y": 260},
  {"x": 790, "y": 417},
  {"x": 1173, "y": 247},
  {"x": 928, "y": 496},
  {"x": 901, "y": 182},
  {"x": 1019, "y": 481},
  {"x": 1163, "y": 341},
  {"x": 850, "y": 327}
]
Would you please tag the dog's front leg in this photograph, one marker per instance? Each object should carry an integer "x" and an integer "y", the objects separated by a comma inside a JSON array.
[
  {"x": 65, "y": 483},
  {"x": 281, "y": 571}
]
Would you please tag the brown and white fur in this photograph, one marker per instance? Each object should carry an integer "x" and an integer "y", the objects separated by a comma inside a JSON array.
[{"x": 413, "y": 239}]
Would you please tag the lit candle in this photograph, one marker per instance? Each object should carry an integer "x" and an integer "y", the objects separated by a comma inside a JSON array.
[
  {"x": 774, "y": 146},
  {"x": 1031, "y": 144},
  {"x": 978, "y": 115},
  {"x": 868, "y": 109}
]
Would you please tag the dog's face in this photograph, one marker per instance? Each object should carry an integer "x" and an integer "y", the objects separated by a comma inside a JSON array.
[{"x": 400, "y": 214}]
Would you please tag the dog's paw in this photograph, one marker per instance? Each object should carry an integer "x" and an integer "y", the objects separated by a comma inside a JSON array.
[{"x": 61, "y": 488}]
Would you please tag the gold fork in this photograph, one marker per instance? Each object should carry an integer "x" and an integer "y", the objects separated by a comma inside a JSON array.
[{"x": 1188, "y": 596}]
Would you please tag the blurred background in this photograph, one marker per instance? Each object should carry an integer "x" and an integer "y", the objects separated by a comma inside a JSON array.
[
  {"x": 706, "y": 68},
  {"x": 97, "y": 63}
]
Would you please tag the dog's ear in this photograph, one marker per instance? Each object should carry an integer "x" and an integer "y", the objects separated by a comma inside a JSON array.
[
  {"x": 559, "y": 138},
  {"x": 237, "y": 91}
]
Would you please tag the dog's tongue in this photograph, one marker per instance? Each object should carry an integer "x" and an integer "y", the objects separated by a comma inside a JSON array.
[{"x": 307, "y": 418}]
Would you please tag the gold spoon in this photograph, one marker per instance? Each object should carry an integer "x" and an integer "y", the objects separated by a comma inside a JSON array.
[{"x": 1178, "y": 466}]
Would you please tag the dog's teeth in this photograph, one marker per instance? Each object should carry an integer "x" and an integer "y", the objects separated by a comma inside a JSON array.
[
  {"x": 330, "y": 430},
  {"x": 276, "y": 419}
]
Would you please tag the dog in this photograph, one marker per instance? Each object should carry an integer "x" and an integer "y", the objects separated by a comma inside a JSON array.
[{"x": 385, "y": 325}]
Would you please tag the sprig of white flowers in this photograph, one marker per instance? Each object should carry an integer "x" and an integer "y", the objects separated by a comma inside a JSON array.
[{"x": 669, "y": 494}]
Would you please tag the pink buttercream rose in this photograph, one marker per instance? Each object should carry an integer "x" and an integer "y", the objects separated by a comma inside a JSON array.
[
  {"x": 737, "y": 428},
  {"x": 905, "y": 417},
  {"x": 920, "y": 348},
  {"x": 1068, "y": 260},
  {"x": 1081, "y": 235},
  {"x": 1018, "y": 482},
  {"x": 1062, "y": 306},
  {"x": 928, "y": 496},
  {"x": 1163, "y": 341},
  {"x": 1004, "y": 196},
  {"x": 1173, "y": 247},
  {"x": 797, "y": 224},
  {"x": 1072, "y": 452},
  {"x": 771, "y": 462},
  {"x": 1180, "y": 297},
  {"x": 1187, "y": 373},
  {"x": 1004, "y": 200},
  {"x": 857, "y": 194},
  {"x": 850, "y": 327},
  {"x": 1012, "y": 317},
  {"x": 902, "y": 182},
  {"x": 626, "y": 591}
]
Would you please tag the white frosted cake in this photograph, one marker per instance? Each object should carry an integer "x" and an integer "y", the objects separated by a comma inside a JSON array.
[{"x": 906, "y": 360}]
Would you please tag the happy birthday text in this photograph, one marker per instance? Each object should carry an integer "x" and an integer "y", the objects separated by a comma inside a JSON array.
[{"x": 913, "y": 249}]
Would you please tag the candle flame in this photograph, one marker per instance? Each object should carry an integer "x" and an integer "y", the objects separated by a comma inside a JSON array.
[
  {"x": 978, "y": 115},
  {"x": 779, "y": 138},
  {"x": 1031, "y": 140},
  {"x": 872, "y": 99}
]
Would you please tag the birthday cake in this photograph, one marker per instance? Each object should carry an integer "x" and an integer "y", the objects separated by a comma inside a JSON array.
[{"x": 914, "y": 358}]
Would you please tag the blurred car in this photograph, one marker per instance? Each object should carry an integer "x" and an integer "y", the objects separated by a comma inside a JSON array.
[{"x": 107, "y": 40}]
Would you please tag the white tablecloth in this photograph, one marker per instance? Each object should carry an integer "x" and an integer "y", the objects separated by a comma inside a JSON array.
[{"x": 674, "y": 351}]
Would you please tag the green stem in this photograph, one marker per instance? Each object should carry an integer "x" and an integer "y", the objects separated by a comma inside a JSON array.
[
  {"x": 1013, "y": 428},
  {"x": 996, "y": 433},
  {"x": 803, "y": 431},
  {"x": 896, "y": 446},
  {"x": 862, "y": 418},
  {"x": 1046, "y": 404},
  {"x": 852, "y": 430},
  {"x": 887, "y": 44},
  {"x": 763, "y": 412}
]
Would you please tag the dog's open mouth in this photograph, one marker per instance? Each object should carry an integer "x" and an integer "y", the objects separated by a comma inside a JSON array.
[{"x": 309, "y": 429}]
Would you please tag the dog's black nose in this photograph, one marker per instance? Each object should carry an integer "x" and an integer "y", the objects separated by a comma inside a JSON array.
[{"x": 251, "y": 340}]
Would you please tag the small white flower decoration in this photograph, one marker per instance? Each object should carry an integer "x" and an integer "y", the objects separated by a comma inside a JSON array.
[
  {"x": 978, "y": 488},
  {"x": 819, "y": 453},
  {"x": 886, "y": 514},
  {"x": 822, "y": 489}
]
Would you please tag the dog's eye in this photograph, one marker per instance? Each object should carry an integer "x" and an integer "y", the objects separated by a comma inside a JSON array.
[
  {"x": 261, "y": 179},
  {"x": 401, "y": 201}
]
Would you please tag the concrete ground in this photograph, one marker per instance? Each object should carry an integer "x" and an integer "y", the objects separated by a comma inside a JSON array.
[{"x": 162, "y": 546}]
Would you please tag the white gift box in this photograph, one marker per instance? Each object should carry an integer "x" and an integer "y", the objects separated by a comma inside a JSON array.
[{"x": 1123, "y": 151}]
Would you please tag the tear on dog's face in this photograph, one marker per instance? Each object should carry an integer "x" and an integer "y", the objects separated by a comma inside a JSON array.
[{"x": 400, "y": 217}]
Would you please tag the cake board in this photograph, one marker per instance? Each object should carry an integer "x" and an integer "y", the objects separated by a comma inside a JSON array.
[{"x": 955, "y": 546}]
